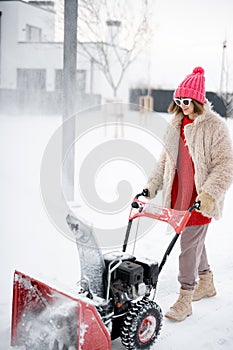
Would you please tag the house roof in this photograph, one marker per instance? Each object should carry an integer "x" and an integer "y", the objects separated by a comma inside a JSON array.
[{"x": 37, "y": 4}]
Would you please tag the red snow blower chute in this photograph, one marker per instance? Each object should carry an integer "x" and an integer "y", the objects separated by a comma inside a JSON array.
[{"x": 115, "y": 297}]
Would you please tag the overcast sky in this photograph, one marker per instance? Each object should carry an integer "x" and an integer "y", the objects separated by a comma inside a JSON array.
[{"x": 190, "y": 33}]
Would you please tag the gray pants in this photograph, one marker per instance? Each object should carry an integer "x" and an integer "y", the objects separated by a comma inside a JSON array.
[{"x": 193, "y": 259}]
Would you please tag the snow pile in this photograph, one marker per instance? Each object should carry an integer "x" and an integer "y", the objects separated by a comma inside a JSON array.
[{"x": 52, "y": 328}]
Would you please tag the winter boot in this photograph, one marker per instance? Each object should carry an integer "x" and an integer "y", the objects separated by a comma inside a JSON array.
[
  {"x": 182, "y": 308},
  {"x": 205, "y": 287}
]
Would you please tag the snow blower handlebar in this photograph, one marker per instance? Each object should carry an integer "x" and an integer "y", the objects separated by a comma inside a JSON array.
[{"x": 177, "y": 219}]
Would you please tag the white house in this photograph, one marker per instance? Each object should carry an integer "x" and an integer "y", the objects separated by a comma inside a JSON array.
[
  {"x": 31, "y": 61},
  {"x": 30, "y": 58}
]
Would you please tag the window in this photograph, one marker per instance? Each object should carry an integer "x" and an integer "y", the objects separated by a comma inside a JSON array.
[
  {"x": 33, "y": 34},
  {"x": 31, "y": 79}
]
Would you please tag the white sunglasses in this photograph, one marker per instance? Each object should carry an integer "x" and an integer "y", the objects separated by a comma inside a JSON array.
[{"x": 184, "y": 101}]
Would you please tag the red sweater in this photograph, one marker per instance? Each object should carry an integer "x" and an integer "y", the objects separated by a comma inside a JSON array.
[{"x": 184, "y": 190}]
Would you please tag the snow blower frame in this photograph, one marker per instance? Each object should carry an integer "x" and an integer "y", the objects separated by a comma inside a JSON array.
[{"x": 115, "y": 298}]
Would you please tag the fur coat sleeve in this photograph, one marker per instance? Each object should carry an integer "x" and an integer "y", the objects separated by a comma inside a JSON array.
[
  {"x": 221, "y": 164},
  {"x": 155, "y": 182}
]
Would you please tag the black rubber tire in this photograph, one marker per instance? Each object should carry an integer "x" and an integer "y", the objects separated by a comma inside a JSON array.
[{"x": 141, "y": 325}]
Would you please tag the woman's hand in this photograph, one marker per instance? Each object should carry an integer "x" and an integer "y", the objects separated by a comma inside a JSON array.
[{"x": 207, "y": 203}]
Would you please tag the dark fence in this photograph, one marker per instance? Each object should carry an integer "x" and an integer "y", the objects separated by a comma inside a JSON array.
[{"x": 163, "y": 98}]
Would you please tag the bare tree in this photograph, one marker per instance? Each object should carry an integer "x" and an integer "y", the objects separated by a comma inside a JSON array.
[{"x": 112, "y": 33}]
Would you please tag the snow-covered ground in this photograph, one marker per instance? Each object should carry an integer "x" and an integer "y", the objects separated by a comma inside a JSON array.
[{"x": 30, "y": 243}]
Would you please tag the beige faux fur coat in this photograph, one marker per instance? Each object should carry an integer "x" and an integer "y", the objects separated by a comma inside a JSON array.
[{"x": 210, "y": 147}]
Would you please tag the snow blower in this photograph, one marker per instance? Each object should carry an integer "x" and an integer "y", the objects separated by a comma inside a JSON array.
[{"x": 115, "y": 297}]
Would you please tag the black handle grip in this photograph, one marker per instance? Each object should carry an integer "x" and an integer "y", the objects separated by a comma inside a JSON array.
[
  {"x": 196, "y": 205},
  {"x": 135, "y": 205},
  {"x": 144, "y": 193}
]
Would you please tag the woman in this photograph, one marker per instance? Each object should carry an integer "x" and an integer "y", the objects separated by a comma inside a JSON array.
[{"x": 196, "y": 164}]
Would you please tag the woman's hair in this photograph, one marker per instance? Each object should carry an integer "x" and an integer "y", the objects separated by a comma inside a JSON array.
[{"x": 173, "y": 108}]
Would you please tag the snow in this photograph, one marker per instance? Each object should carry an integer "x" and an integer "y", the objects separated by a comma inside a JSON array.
[
  {"x": 52, "y": 323},
  {"x": 30, "y": 242}
]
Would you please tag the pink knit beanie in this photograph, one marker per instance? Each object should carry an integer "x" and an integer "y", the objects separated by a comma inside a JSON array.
[{"x": 193, "y": 86}]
